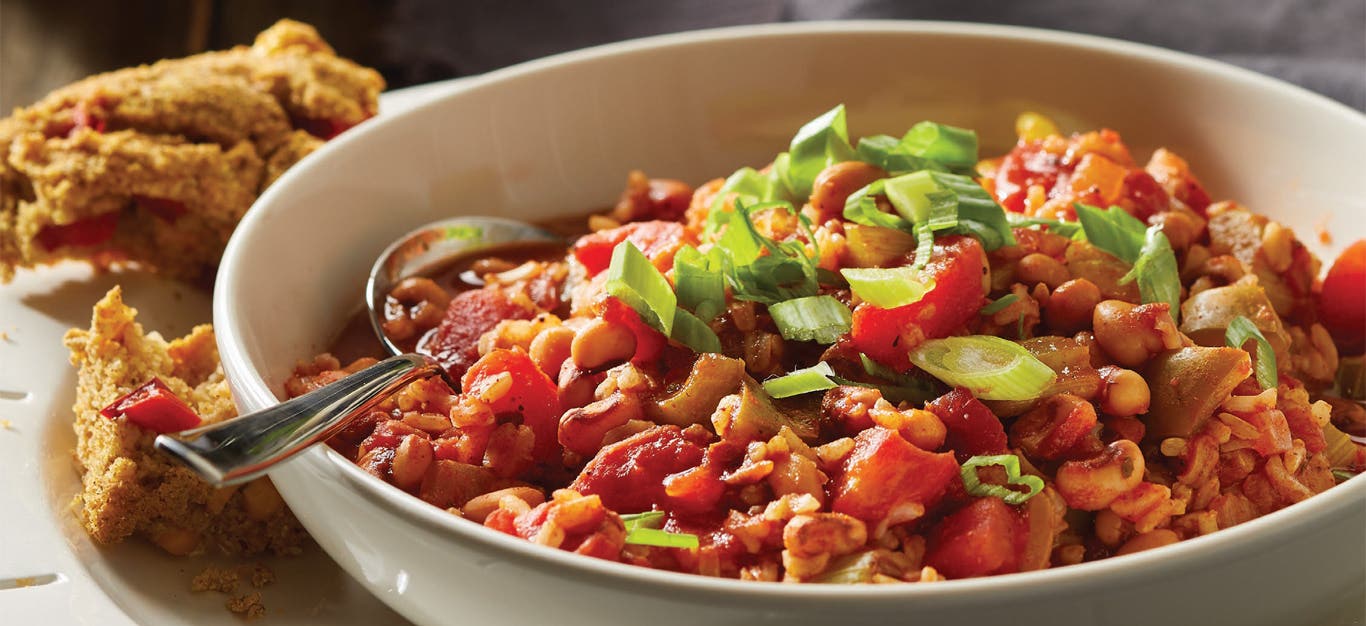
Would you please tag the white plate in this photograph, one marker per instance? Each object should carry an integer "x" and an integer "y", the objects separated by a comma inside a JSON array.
[{"x": 40, "y": 540}]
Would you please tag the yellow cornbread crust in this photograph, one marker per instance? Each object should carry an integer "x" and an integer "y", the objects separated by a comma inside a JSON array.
[{"x": 129, "y": 488}]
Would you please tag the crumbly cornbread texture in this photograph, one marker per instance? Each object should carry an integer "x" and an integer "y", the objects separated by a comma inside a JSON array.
[
  {"x": 128, "y": 488},
  {"x": 156, "y": 164}
]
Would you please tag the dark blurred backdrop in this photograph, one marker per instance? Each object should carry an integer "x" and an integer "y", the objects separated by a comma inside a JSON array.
[{"x": 1320, "y": 44}]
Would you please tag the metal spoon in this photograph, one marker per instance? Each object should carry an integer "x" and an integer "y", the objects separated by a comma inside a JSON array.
[{"x": 241, "y": 449}]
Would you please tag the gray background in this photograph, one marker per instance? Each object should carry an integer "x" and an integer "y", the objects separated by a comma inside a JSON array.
[{"x": 1320, "y": 44}]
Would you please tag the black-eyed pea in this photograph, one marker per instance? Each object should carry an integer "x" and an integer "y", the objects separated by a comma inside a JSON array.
[{"x": 602, "y": 343}]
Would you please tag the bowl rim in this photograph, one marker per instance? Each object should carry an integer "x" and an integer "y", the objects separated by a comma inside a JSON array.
[{"x": 249, "y": 385}]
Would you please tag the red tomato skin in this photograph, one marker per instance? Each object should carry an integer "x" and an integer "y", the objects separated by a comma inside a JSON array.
[
  {"x": 629, "y": 474},
  {"x": 533, "y": 396},
  {"x": 1342, "y": 302},
  {"x": 455, "y": 342},
  {"x": 91, "y": 231},
  {"x": 657, "y": 240},
  {"x": 884, "y": 471},
  {"x": 888, "y": 335},
  {"x": 153, "y": 406},
  {"x": 980, "y": 539},
  {"x": 973, "y": 428}
]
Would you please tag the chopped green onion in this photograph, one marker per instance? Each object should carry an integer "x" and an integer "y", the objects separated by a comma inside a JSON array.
[
  {"x": 910, "y": 195},
  {"x": 893, "y": 156},
  {"x": 1000, "y": 303},
  {"x": 1113, "y": 230},
  {"x": 820, "y": 143},
  {"x": 662, "y": 539},
  {"x": 924, "y": 247},
  {"x": 805, "y": 380},
  {"x": 887, "y": 288},
  {"x": 699, "y": 286},
  {"x": 974, "y": 485},
  {"x": 950, "y": 145},
  {"x": 822, "y": 319},
  {"x": 691, "y": 331},
  {"x": 860, "y": 208},
  {"x": 1240, "y": 330},
  {"x": 1066, "y": 229},
  {"x": 643, "y": 529},
  {"x": 1341, "y": 475},
  {"x": 750, "y": 186},
  {"x": 634, "y": 280},
  {"x": 1144, "y": 247},
  {"x": 991, "y": 368},
  {"x": 648, "y": 519},
  {"x": 903, "y": 388},
  {"x": 786, "y": 272},
  {"x": 1159, "y": 278}
]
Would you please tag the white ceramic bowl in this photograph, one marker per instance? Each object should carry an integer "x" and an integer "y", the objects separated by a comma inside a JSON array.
[{"x": 557, "y": 136}]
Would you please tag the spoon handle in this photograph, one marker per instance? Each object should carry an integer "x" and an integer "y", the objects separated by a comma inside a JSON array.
[{"x": 241, "y": 449}]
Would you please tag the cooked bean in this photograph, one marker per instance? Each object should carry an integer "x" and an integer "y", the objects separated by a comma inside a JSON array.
[
  {"x": 261, "y": 500},
  {"x": 1092, "y": 484},
  {"x": 480, "y": 507},
  {"x": 582, "y": 428},
  {"x": 1040, "y": 268},
  {"x": 836, "y": 183},
  {"x": 1152, "y": 539},
  {"x": 551, "y": 348},
  {"x": 1131, "y": 334},
  {"x": 1123, "y": 392},
  {"x": 602, "y": 343},
  {"x": 411, "y": 460},
  {"x": 1070, "y": 306}
]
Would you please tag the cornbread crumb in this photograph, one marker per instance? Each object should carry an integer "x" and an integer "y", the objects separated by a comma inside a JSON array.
[
  {"x": 6, "y": 425},
  {"x": 248, "y": 605},
  {"x": 128, "y": 487},
  {"x": 261, "y": 576},
  {"x": 215, "y": 579}
]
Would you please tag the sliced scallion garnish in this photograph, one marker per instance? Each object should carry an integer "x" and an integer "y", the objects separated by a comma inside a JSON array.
[
  {"x": 990, "y": 367},
  {"x": 634, "y": 280},
  {"x": 822, "y": 319},
  {"x": 887, "y": 288},
  {"x": 1143, "y": 247},
  {"x": 952, "y": 146},
  {"x": 691, "y": 331},
  {"x": 643, "y": 529},
  {"x": 819, "y": 144},
  {"x": 1000, "y": 303},
  {"x": 1241, "y": 330},
  {"x": 974, "y": 485},
  {"x": 818, "y": 377},
  {"x": 700, "y": 287}
]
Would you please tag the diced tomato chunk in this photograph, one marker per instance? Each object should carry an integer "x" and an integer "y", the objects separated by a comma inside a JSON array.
[
  {"x": 533, "y": 395},
  {"x": 629, "y": 474},
  {"x": 1146, "y": 195},
  {"x": 153, "y": 406},
  {"x": 884, "y": 471},
  {"x": 957, "y": 266},
  {"x": 979, "y": 539},
  {"x": 1342, "y": 303},
  {"x": 90, "y": 231},
  {"x": 657, "y": 240},
  {"x": 455, "y": 342},
  {"x": 973, "y": 428}
]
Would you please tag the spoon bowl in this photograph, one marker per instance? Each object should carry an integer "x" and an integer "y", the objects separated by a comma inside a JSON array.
[
  {"x": 431, "y": 248},
  {"x": 241, "y": 449}
]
